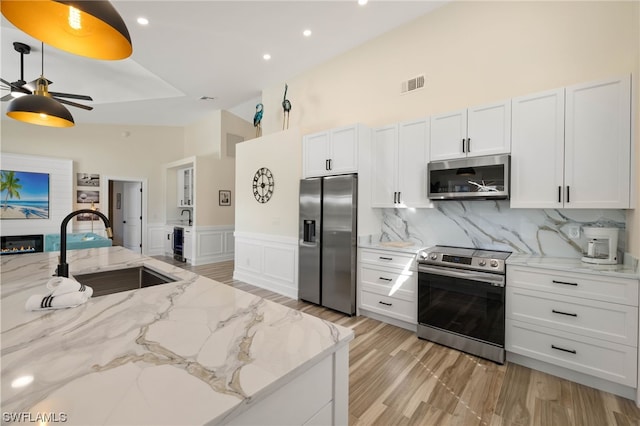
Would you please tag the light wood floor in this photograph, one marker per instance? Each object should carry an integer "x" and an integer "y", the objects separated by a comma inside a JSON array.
[{"x": 397, "y": 379}]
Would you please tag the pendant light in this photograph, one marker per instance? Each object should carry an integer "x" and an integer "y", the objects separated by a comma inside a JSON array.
[
  {"x": 87, "y": 28},
  {"x": 40, "y": 108}
]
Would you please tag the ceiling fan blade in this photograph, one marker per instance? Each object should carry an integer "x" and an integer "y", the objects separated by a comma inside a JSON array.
[
  {"x": 74, "y": 104},
  {"x": 6, "y": 98},
  {"x": 71, "y": 96}
]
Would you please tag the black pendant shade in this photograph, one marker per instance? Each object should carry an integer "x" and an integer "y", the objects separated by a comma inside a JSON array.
[
  {"x": 41, "y": 110},
  {"x": 87, "y": 28}
]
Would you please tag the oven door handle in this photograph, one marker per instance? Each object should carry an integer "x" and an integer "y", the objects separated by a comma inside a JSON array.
[{"x": 492, "y": 279}]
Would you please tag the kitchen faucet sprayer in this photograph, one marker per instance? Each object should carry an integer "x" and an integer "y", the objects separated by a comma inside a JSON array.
[{"x": 63, "y": 267}]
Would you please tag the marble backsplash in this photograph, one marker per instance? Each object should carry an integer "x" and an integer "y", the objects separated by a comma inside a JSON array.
[{"x": 494, "y": 225}]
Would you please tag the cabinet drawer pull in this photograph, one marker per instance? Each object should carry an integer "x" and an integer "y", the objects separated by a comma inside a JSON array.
[
  {"x": 564, "y": 282},
  {"x": 399, "y": 197},
  {"x": 568, "y": 194},
  {"x": 326, "y": 164},
  {"x": 385, "y": 303},
  {"x": 560, "y": 194},
  {"x": 468, "y": 145},
  {"x": 385, "y": 279},
  {"x": 558, "y": 348},
  {"x": 395, "y": 197},
  {"x": 386, "y": 258},
  {"x": 564, "y": 313},
  {"x": 463, "y": 141}
]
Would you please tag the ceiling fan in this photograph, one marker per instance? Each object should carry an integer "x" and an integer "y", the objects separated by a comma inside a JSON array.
[{"x": 39, "y": 86}]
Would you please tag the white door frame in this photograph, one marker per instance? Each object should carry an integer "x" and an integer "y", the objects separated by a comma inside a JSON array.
[{"x": 104, "y": 186}]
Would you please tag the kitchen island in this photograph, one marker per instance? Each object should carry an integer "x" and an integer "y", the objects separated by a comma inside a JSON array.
[{"x": 194, "y": 351}]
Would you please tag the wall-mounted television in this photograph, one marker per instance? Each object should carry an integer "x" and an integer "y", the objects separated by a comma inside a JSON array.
[{"x": 24, "y": 195}]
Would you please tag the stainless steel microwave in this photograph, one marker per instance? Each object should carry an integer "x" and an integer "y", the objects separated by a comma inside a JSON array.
[{"x": 474, "y": 178}]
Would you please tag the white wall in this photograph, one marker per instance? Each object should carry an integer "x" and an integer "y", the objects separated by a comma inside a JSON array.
[
  {"x": 471, "y": 53},
  {"x": 266, "y": 234},
  {"x": 206, "y": 140},
  {"x": 137, "y": 151},
  {"x": 282, "y": 154}
]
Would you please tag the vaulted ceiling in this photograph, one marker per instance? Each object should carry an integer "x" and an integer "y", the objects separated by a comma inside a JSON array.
[{"x": 194, "y": 49}]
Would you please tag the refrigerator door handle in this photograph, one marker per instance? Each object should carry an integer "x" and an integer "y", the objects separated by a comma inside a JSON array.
[{"x": 304, "y": 244}]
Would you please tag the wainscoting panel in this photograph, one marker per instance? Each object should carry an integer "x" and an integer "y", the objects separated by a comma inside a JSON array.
[
  {"x": 155, "y": 240},
  {"x": 267, "y": 261},
  {"x": 213, "y": 244}
]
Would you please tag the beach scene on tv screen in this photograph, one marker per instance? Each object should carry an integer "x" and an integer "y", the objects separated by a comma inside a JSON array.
[{"x": 24, "y": 195}]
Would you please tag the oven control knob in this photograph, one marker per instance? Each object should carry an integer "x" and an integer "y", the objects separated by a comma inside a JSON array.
[
  {"x": 433, "y": 256},
  {"x": 493, "y": 263},
  {"x": 482, "y": 262}
]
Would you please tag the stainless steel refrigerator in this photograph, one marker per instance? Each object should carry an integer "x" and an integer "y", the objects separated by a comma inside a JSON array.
[{"x": 327, "y": 243}]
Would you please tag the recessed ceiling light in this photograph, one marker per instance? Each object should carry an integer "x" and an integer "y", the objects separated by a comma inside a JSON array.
[
  {"x": 143, "y": 21},
  {"x": 306, "y": 33},
  {"x": 363, "y": 2},
  {"x": 266, "y": 56}
]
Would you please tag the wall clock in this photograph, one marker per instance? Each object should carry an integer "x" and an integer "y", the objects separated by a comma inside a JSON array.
[{"x": 263, "y": 184}]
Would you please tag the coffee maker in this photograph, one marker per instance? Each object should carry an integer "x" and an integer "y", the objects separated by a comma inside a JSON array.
[{"x": 602, "y": 245}]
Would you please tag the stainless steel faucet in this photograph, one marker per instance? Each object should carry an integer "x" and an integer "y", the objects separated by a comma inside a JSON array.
[
  {"x": 188, "y": 211},
  {"x": 63, "y": 267}
]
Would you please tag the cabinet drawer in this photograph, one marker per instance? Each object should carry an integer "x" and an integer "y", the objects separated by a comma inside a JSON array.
[
  {"x": 388, "y": 258},
  {"x": 607, "y": 289},
  {"x": 386, "y": 282},
  {"x": 390, "y": 306},
  {"x": 609, "y": 361},
  {"x": 600, "y": 320}
]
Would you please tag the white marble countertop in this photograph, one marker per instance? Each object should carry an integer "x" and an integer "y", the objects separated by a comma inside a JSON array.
[
  {"x": 396, "y": 246},
  {"x": 568, "y": 264},
  {"x": 190, "y": 352}
]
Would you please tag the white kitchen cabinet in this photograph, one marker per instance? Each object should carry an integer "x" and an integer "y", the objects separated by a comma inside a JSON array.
[
  {"x": 387, "y": 284},
  {"x": 537, "y": 150},
  {"x": 168, "y": 240},
  {"x": 185, "y": 187},
  {"x": 187, "y": 244},
  {"x": 332, "y": 152},
  {"x": 582, "y": 322},
  {"x": 598, "y": 144},
  {"x": 471, "y": 132},
  {"x": 400, "y": 153},
  {"x": 571, "y": 147}
]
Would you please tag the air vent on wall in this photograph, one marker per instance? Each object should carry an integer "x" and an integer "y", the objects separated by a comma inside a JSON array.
[{"x": 412, "y": 84}]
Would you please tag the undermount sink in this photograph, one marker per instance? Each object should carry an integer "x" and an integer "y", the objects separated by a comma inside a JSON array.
[{"x": 118, "y": 280}]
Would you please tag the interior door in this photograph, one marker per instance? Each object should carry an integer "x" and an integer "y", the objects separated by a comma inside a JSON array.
[{"x": 132, "y": 206}]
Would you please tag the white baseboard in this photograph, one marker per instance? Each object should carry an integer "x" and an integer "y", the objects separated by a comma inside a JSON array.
[{"x": 267, "y": 261}]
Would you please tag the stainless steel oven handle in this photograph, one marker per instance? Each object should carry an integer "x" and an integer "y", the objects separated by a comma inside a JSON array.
[{"x": 493, "y": 279}]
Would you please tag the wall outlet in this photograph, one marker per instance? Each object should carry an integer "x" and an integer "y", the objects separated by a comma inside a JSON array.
[{"x": 574, "y": 231}]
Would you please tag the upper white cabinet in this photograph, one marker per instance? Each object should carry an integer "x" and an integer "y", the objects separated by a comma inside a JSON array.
[
  {"x": 185, "y": 187},
  {"x": 598, "y": 144},
  {"x": 472, "y": 132},
  {"x": 331, "y": 152},
  {"x": 400, "y": 153},
  {"x": 537, "y": 150},
  {"x": 571, "y": 147}
]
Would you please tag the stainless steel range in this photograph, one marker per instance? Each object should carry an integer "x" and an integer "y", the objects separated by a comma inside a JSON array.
[{"x": 461, "y": 294}]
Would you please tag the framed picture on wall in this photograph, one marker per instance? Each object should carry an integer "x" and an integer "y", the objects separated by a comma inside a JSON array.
[
  {"x": 24, "y": 195},
  {"x": 87, "y": 179},
  {"x": 224, "y": 197}
]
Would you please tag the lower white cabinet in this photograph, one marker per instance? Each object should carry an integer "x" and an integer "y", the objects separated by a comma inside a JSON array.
[
  {"x": 387, "y": 283},
  {"x": 168, "y": 240},
  {"x": 187, "y": 244},
  {"x": 582, "y": 322}
]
